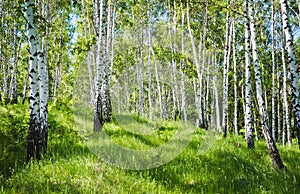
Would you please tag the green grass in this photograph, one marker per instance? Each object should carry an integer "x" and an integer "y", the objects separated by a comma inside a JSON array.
[{"x": 70, "y": 167}]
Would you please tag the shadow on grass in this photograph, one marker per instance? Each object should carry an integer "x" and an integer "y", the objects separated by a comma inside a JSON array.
[{"x": 222, "y": 171}]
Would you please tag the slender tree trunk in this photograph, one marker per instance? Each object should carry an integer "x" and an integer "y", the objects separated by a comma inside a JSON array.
[
  {"x": 149, "y": 62},
  {"x": 14, "y": 83},
  {"x": 141, "y": 82},
  {"x": 235, "y": 122},
  {"x": 274, "y": 154},
  {"x": 225, "y": 73},
  {"x": 98, "y": 119},
  {"x": 25, "y": 88},
  {"x": 273, "y": 72},
  {"x": 285, "y": 103},
  {"x": 158, "y": 84},
  {"x": 182, "y": 68},
  {"x": 292, "y": 63},
  {"x": 198, "y": 69},
  {"x": 248, "y": 119},
  {"x": 106, "y": 22},
  {"x": 218, "y": 119}
]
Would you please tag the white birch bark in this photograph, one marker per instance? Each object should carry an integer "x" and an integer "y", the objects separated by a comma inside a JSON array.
[
  {"x": 98, "y": 120},
  {"x": 106, "y": 47},
  {"x": 158, "y": 84},
  {"x": 141, "y": 82},
  {"x": 182, "y": 67},
  {"x": 273, "y": 71},
  {"x": 235, "y": 121},
  {"x": 248, "y": 119},
  {"x": 286, "y": 116},
  {"x": 34, "y": 140},
  {"x": 216, "y": 91},
  {"x": 225, "y": 73},
  {"x": 198, "y": 69},
  {"x": 14, "y": 84},
  {"x": 292, "y": 64},
  {"x": 149, "y": 62},
  {"x": 274, "y": 154}
]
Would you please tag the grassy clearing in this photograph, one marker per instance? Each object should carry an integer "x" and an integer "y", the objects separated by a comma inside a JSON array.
[{"x": 70, "y": 167}]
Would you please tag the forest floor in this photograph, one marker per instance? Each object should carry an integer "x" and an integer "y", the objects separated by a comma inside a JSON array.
[{"x": 69, "y": 166}]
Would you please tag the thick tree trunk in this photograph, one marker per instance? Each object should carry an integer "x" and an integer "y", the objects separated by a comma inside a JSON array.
[
  {"x": 292, "y": 63},
  {"x": 274, "y": 154},
  {"x": 34, "y": 133}
]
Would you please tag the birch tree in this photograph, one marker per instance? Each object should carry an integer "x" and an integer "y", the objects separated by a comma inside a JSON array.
[
  {"x": 34, "y": 134},
  {"x": 248, "y": 119},
  {"x": 149, "y": 60},
  {"x": 273, "y": 71},
  {"x": 274, "y": 154},
  {"x": 292, "y": 63},
  {"x": 225, "y": 72},
  {"x": 98, "y": 118},
  {"x": 286, "y": 116}
]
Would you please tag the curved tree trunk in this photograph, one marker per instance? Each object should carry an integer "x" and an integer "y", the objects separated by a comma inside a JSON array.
[{"x": 274, "y": 154}]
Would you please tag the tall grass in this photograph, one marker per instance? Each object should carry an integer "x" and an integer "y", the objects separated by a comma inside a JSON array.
[{"x": 70, "y": 167}]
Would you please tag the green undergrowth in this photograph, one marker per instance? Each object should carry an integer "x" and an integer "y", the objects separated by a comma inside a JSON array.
[{"x": 70, "y": 167}]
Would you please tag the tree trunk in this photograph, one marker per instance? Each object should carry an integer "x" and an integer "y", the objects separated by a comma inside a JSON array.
[
  {"x": 98, "y": 119},
  {"x": 141, "y": 82},
  {"x": 292, "y": 63},
  {"x": 216, "y": 91},
  {"x": 225, "y": 73},
  {"x": 285, "y": 104},
  {"x": 198, "y": 69},
  {"x": 106, "y": 22},
  {"x": 274, "y": 154},
  {"x": 34, "y": 133},
  {"x": 235, "y": 122},
  {"x": 13, "y": 92},
  {"x": 158, "y": 84},
  {"x": 248, "y": 119},
  {"x": 273, "y": 72},
  {"x": 149, "y": 62}
]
